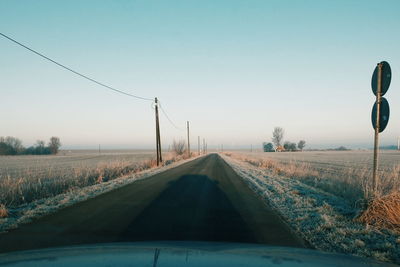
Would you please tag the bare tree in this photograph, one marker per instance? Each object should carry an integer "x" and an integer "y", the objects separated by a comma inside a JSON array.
[
  {"x": 10, "y": 146},
  {"x": 277, "y": 136},
  {"x": 54, "y": 144},
  {"x": 301, "y": 144},
  {"x": 40, "y": 143},
  {"x": 15, "y": 143},
  {"x": 179, "y": 147}
]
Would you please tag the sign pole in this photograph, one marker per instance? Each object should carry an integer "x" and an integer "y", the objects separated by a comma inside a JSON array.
[{"x": 376, "y": 140}]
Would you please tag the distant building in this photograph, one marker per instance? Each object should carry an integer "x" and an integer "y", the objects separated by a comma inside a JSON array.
[{"x": 279, "y": 149}]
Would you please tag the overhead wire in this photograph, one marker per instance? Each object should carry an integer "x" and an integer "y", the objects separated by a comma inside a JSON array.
[
  {"x": 88, "y": 78},
  {"x": 168, "y": 118},
  {"x": 73, "y": 71}
]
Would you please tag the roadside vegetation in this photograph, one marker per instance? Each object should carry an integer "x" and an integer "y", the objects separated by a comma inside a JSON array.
[
  {"x": 333, "y": 211},
  {"x": 30, "y": 186},
  {"x": 349, "y": 183}
]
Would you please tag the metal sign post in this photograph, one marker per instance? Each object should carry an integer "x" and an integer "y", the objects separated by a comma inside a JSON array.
[
  {"x": 376, "y": 126},
  {"x": 380, "y": 112}
]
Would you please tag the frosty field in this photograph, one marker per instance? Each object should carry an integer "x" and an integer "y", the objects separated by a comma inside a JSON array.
[
  {"x": 67, "y": 160},
  {"x": 24, "y": 179},
  {"x": 330, "y": 161}
]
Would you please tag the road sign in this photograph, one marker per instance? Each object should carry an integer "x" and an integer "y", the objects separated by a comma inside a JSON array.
[
  {"x": 386, "y": 78},
  {"x": 383, "y": 115},
  {"x": 380, "y": 112}
]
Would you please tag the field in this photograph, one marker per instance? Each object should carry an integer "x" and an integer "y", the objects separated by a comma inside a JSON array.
[
  {"x": 331, "y": 161},
  {"x": 343, "y": 173},
  {"x": 24, "y": 179},
  {"x": 67, "y": 160},
  {"x": 321, "y": 196}
]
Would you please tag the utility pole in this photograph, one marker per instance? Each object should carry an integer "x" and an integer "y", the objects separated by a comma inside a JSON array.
[
  {"x": 398, "y": 143},
  {"x": 158, "y": 141},
  {"x": 198, "y": 145},
  {"x": 99, "y": 150},
  {"x": 188, "y": 139},
  {"x": 204, "y": 146}
]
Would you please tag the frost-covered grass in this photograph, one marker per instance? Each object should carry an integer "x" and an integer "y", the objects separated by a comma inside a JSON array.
[
  {"x": 352, "y": 182},
  {"x": 65, "y": 161},
  {"x": 51, "y": 182},
  {"x": 324, "y": 219},
  {"x": 24, "y": 213}
]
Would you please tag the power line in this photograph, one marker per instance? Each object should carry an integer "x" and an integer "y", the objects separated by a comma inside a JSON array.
[
  {"x": 166, "y": 115},
  {"x": 73, "y": 71},
  {"x": 88, "y": 78}
]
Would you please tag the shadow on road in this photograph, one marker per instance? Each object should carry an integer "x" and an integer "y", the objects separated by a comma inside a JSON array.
[{"x": 190, "y": 208}]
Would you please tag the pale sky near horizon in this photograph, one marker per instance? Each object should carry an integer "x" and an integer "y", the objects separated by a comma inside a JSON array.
[{"x": 234, "y": 69}]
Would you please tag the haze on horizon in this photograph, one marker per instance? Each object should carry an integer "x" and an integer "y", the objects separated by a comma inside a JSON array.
[{"x": 234, "y": 69}]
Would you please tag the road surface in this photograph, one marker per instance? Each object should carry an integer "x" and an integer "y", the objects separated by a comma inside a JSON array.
[{"x": 202, "y": 200}]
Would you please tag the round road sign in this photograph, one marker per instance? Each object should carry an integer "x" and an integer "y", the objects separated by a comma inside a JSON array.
[
  {"x": 383, "y": 115},
  {"x": 386, "y": 78}
]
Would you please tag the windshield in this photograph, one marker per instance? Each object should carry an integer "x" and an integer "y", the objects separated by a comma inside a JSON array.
[{"x": 271, "y": 123}]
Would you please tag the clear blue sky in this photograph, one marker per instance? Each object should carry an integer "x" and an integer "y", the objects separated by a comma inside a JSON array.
[{"x": 235, "y": 69}]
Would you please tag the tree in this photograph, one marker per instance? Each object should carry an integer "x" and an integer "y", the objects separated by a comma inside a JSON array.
[
  {"x": 268, "y": 147},
  {"x": 277, "y": 136},
  {"x": 54, "y": 144},
  {"x": 289, "y": 146},
  {"x": 301, "y": 144},
  {"x": 39, "y": 148},
  {"x": 179, "y": 147},
  {"x": 10, "y": 146}
]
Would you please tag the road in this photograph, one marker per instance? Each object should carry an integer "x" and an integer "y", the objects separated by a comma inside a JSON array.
[{"x": 202, "y": 200}]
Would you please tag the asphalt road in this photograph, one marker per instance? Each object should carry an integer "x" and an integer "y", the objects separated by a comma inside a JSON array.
[{"x": 202, "y": 200}]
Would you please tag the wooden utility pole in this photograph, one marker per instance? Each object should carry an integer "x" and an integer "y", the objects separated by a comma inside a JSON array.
[
  {"x": 204, "y": 146},
  {"x": 198, "y": 145},
  {"x": 158, "y": 141},
  {"x": 376, "y": 139},
  {"x": 188, "y": 139}
]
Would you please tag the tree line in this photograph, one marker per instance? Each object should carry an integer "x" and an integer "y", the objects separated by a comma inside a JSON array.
[
  {"x": 13, "y": 146},
  {"x": 277, "y": 139}
]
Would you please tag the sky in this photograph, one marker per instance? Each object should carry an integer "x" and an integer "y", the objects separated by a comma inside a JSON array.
[{"x": 234, "y": 69}]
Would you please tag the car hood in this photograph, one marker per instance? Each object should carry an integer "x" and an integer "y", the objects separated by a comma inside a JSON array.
[{"x": 180, "y": 254}]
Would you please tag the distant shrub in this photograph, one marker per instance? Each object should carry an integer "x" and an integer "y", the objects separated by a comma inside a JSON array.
[
  {"x": 289, "y": 146},
  {"x": 268, "y": 147},
  {"x": 179, "y": 147}
]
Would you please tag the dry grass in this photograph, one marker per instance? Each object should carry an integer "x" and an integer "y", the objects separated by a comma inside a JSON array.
[
  {"x": 51, "y": 182},
  {"x": 3, "y": 211},
  {"x": 383, "y": 212},
  {"x": 353, "y": 184}
]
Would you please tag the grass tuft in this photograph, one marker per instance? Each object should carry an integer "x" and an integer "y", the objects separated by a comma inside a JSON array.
[
  {"x": 383, "y": 212},
  {"x": 3, "y": 211}
]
